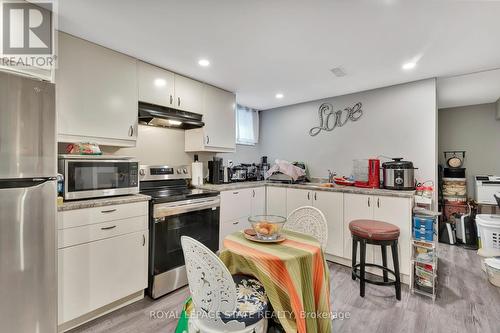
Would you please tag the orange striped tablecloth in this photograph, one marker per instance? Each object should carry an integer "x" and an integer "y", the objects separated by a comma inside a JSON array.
[{"x": 294, "y": 274}]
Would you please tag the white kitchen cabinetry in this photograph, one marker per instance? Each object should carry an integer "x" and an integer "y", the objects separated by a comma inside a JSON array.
[
  {"x": 387, "y": 209},
  {"x": 397, "y": 211},
  {"x": 96, "y": 94},
  {"x": 156, "y": 85},
  {"x": 276, "y": 201},
  {"x": 356, "y": 207},
  {"x": 296, "y": 198},
  {"x": 102, "y": 258},
  {"x": 219, "y": 132},
  {"x": 331, "y": 204},
  {"x": 237, "y": 206},
  {"x": 188, "y": 94},
  {"x": 161, "y": 87},
  {"x": 259, "y": 201}
]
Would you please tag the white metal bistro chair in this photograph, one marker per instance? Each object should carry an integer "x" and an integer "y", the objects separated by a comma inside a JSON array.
[
  {"x": 310, "y": 221},
  {"x": 222, "y": 302}
]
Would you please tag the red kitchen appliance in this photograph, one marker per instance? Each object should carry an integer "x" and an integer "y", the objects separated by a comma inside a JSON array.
[{"x": 374, "y": 173}]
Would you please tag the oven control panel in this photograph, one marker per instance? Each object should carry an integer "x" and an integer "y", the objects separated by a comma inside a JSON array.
[{"x": 159, "y": 172}]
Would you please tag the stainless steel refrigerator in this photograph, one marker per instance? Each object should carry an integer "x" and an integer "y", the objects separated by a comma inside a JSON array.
[{"x": 28, "y": 276}]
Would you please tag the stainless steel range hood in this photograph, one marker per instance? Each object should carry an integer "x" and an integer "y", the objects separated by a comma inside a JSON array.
[{"x": 160, "y": 116}]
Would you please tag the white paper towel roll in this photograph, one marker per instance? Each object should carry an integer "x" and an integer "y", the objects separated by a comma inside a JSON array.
[{"x": 197, "y": 173}]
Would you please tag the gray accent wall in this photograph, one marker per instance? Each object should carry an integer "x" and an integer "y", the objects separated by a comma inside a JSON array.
[
  {"x": 475, "y": 130},
  {"x": 397, "y": 121}
]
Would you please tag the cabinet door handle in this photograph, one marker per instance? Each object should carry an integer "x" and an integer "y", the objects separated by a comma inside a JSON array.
[
  {"x": 178, "y": 101},
  {"x": 236, "y": 222},
  {"x": 253, "y": 193},
  {"x": 236, "y": 192},
  {"x": 378, "y": 202},
  {"x": 108, "y": 211},
  {"x": 171, "y": 99},
  {"x": 108, "y": 228},
  {"x": 143, "y": 240},
  {"x": 308, "y": 195},
  {"x": 369, "y": 202},
  {"x": 131, "y": 131},
  {"x": 208, "y": 139},
  {"x": 315, "y": 196}
]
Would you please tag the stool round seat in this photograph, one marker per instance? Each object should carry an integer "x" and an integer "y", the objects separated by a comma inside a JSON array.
[{"x": 374, "y": 230}]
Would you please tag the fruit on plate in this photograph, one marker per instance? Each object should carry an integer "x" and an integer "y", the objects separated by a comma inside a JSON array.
[{"x": 266, "y": 228}]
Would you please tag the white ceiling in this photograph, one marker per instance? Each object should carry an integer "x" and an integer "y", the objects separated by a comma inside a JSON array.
[
  {"x": 471, "y": 89},
  {"x": 259, "y": 48}
]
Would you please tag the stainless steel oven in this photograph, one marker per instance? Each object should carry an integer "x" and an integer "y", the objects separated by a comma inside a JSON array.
[
  {"x": 98, "y": 176},
  {"x": 196, "y": 218}
]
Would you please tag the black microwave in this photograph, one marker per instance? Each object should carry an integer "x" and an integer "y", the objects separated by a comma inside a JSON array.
[{"x": 89, "y": 176}]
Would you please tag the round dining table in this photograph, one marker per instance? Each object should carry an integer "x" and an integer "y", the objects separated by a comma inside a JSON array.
[{"x": 295, "y": 276}]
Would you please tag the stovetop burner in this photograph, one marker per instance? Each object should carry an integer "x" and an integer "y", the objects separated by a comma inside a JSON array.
[
  {"x": 169, "y": 183},
  {"x": 177, "y": 194}
]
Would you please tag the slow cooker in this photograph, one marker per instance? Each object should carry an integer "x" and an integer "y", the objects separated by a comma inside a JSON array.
[{"x": 399, "y": 175}]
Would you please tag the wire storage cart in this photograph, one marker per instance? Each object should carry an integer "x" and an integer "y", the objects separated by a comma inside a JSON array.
[{"x": 424, "y": 248}]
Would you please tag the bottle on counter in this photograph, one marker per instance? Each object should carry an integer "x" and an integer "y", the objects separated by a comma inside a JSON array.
[
  {"x": 196, "y": 172},
  {"x": 60, "y": 189}
]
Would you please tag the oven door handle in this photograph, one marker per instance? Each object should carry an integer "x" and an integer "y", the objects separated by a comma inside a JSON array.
[{"x": 164, "y": 211}]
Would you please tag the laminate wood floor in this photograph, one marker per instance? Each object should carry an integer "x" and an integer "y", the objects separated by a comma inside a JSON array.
[{"x": 466, "y": 302}]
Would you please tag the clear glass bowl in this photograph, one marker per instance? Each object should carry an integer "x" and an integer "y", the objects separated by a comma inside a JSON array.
[{"x": 267, "y": 227}]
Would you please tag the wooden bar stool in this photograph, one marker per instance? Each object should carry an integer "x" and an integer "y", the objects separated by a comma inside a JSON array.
[{"x": 375, "y": 233}]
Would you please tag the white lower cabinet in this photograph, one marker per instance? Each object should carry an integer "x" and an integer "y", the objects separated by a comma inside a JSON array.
[
  {"x": 237, "y": 206},
  {"x": 258, "y": 201},
  {"x": 101, "y": 259},
  {"x": 356, "y": 207},
  {"x": 330, "y": 203},
  {"x": 96, "y": 274},
  {"x": 276, "y": 201},
  {"x": 296, "y": 198},
  {"x": 397, "y": 211},
  {"x": 339, "y": 209}
]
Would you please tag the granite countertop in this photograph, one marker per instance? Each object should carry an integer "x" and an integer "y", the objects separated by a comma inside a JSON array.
[
  {"x": 309, "y": 186},
  {"x": 124, "y": 199}
]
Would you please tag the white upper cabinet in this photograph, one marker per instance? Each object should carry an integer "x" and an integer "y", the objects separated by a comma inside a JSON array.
[
  {"x": 96, "y": 94},
  {"x": 219, "y": 132},
  {"x": 161, "y": 87},
  {"x": 156, "y": 85},
  {"x": 188, "y": 94}
]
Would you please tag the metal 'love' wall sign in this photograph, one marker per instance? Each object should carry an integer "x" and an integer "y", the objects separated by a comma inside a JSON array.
[{"x": 329, "y": 119}]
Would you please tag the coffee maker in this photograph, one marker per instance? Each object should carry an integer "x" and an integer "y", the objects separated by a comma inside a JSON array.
[
  {"x": 215, "y": 171},
  {"x": 263, "y": 167}
]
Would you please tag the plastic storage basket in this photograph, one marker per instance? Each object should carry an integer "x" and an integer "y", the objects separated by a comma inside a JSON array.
[
  {"x": 493, "y": 270},
  {"x": 423, "y": 222},
  {"x": 422, "y": 234},
  {"x": 488, "y": 229}
]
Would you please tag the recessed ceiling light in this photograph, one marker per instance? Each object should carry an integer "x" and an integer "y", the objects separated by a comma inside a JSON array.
[
  {"x": 279, "y": 95},
  {"x": 409, "y": 65},
  {"x": 203, "y": 62},
  {"x": 160, "y": 82}
]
